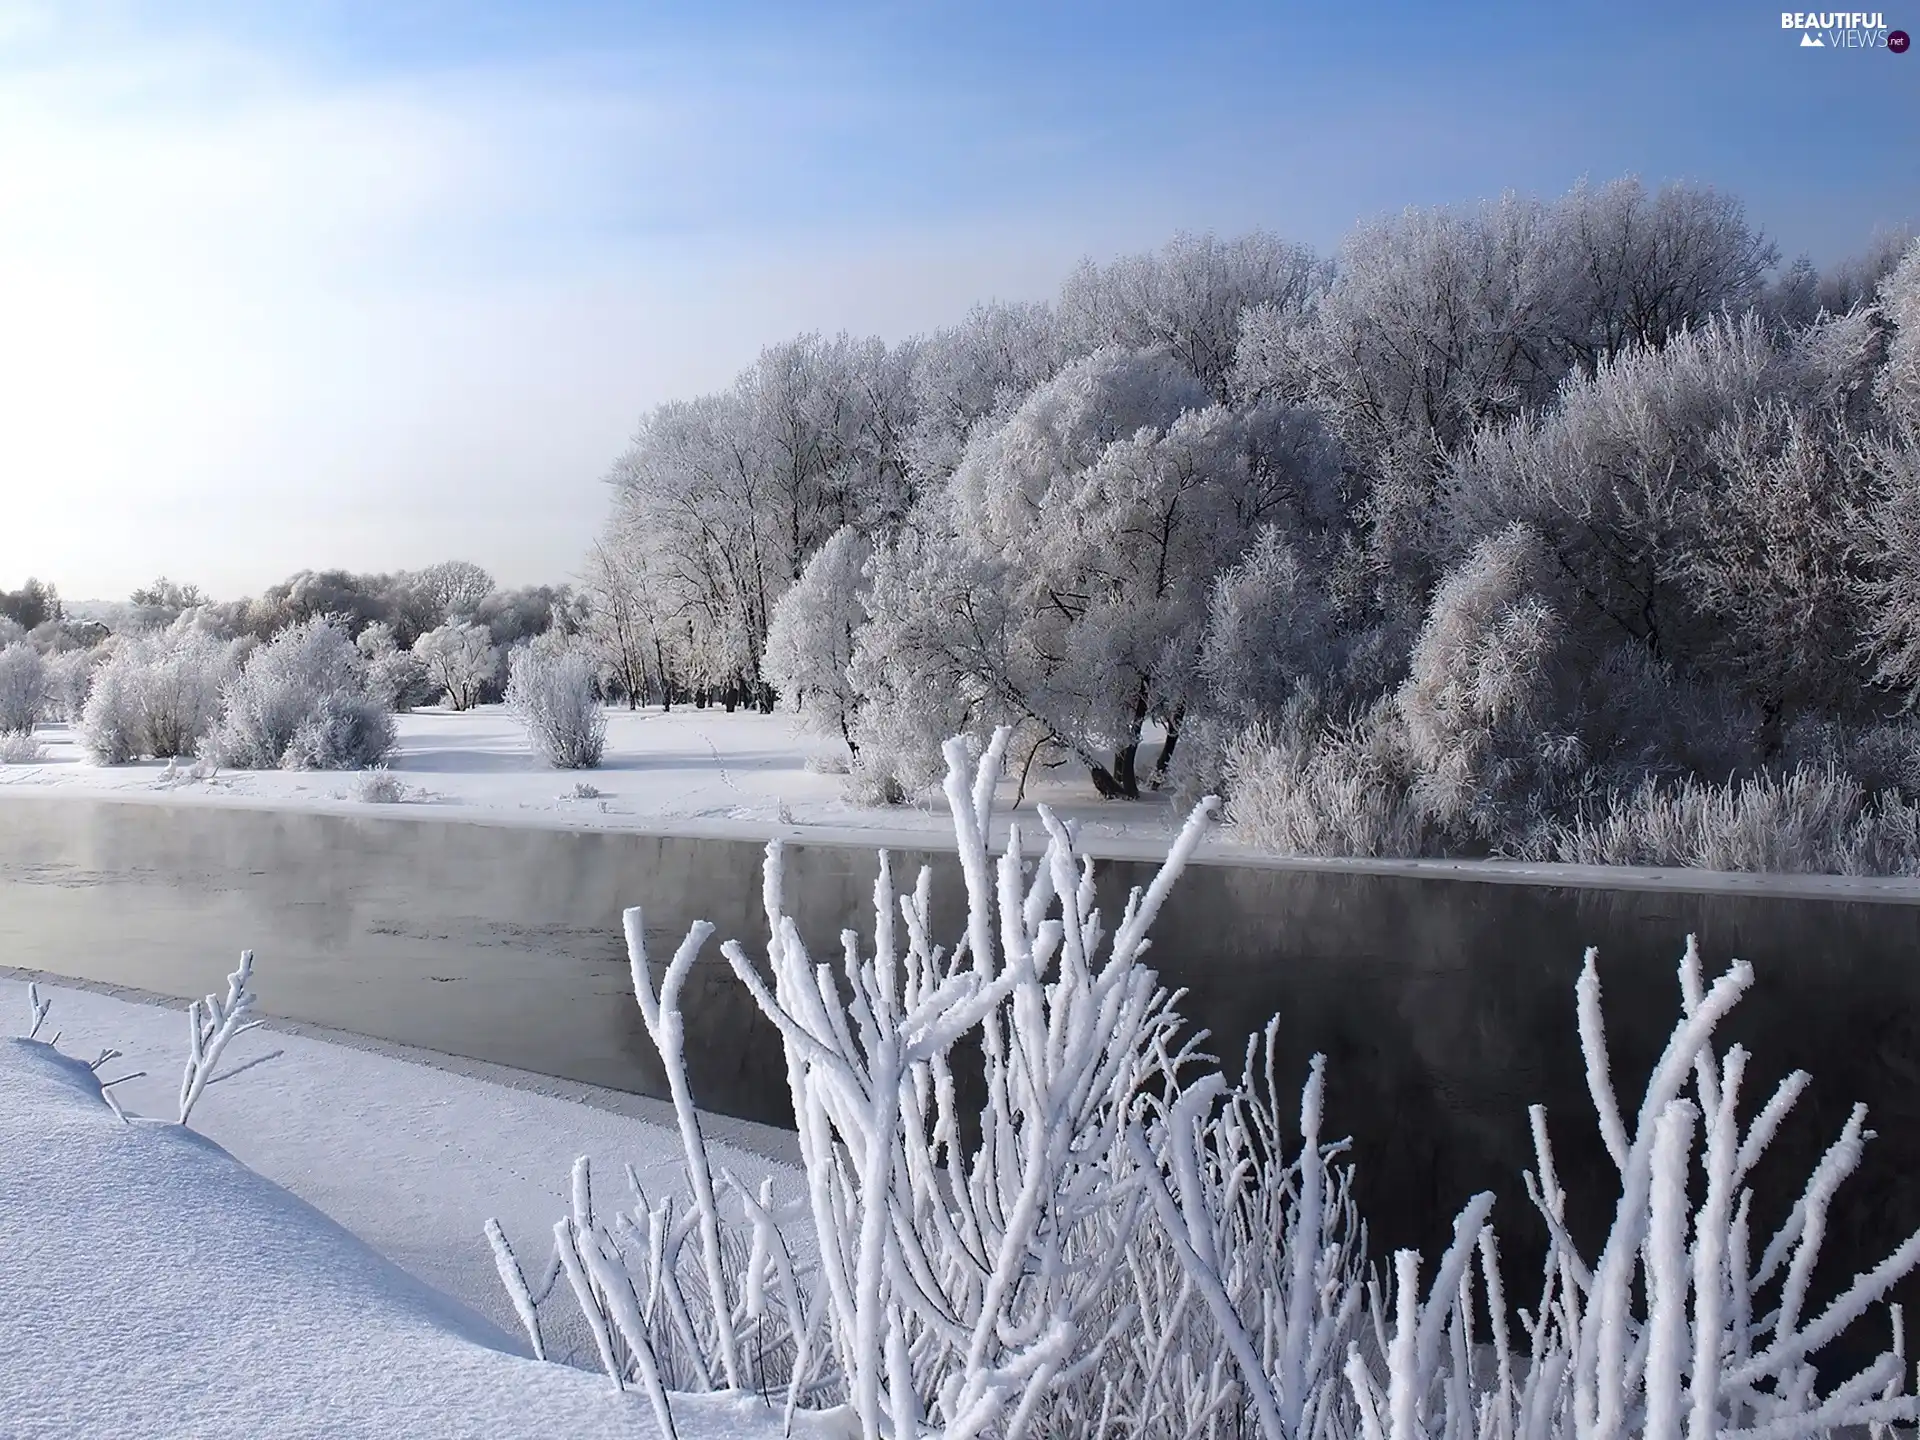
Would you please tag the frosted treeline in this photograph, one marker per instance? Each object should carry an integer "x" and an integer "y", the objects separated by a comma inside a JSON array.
[
  {"x": 1550, "y": 528},
  {"x": 306, "y": 677},
  {"x": 1125, "y": 1241}
]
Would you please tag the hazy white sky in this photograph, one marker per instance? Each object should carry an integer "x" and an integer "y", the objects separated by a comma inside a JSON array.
[{"x": 388, "y": 284}]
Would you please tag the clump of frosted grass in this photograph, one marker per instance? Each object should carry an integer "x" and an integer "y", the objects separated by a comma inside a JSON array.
[
  {"x": 584, "y": 790},
  {"x": 380, "y": 786},
  {"x": 21, "y": 748},
  {"x": 1128, "y": 1243},
  {"x": 1815, "y": 819}
]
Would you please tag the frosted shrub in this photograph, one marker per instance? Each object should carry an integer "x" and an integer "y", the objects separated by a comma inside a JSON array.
[
  {"x": 301, "y": 703},
  {"x": 1131, "y": 1245},
  {"x": 180, "y": 687},
  {"x": 396, "y": 678},
  {"x": 550, "y": 690},
  {"x": 345, "y": 731},
  {"x": 23, "y": 688},
  {"x": 155, "y": 696},
  {"x": 111, "y": 728}
]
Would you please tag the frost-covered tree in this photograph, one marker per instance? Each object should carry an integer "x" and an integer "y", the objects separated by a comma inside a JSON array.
[
  {"x": 1636, "y": 267},
  {"x": 550, "y": 691},
  {"x": 723, "y": 500},
  {"x": 32, "y": 604},
  {"x": 451, "y": 589},
  {"x": 1439, "y": 321},
  {"x": 1892, "y": 588},
  {"x": 1097, "y": 511},
  {"x": 1777, "y": 569},
  {"x": 810, "y": 642},
  {"x": 1188, "y": 299},
  {"x": 1899, "y": 384},
  {"x": 69, "y": 678},
  {"x": 1612, "y": 478},
  {"x": 969, "y": 372},
  {"x": 460, "y": 659},
  {"x": 301, "y": 702},
  {"x": 23, "y": 688},
  {"x": 168, "y": 595}
]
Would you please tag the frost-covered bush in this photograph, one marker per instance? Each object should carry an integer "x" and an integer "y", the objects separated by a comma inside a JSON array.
[
  {"x": 1130, "y": 1242},
  {"x": 301, "y": 702},
  {"x": 550, "y": 690},
  {"x": 460, "y": 659},
  {"x": 156, "y": 695},
  {"x": 396, "y": 678},
  {"x": 344, "y": 731},
  {"x": 1305, "y": 787},
  {"x": 11, "y": 631},
  {"x": 23, "y": 688}
]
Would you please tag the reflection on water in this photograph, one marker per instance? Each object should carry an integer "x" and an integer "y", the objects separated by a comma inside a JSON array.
[{"x": 1445, "y": 1007}]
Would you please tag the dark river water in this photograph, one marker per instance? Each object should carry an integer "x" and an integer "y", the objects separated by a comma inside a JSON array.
[{"x": 1445, "y": 1006}]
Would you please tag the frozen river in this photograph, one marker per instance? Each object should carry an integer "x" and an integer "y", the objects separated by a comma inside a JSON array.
[{"x": 1445, "y": 1006}]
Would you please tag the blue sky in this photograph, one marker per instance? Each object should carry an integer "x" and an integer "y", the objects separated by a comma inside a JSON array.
[{"x": 375, "y": 284}]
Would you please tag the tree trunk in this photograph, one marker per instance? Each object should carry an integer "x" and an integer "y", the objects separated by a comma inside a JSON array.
[{"x": 1166, "y": 752}]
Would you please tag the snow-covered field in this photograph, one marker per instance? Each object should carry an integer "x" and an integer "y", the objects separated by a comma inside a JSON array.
[
  {"x": 688, "y": 771},
  {"x": 321, "y": 1269}
]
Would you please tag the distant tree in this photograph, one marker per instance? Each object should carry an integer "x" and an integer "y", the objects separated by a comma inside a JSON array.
[
  {"x": 33, "y": 604},
  {"x": 460, "y": 659},
  {"x": 622, "y": 629},
  {"x": 23, "y": 688},
  {"x": 980, "y": 368},
  {"x": 165, "y": 594},
  {"x": 550, "y": 691},
  {"x": 452, "y": 589}
]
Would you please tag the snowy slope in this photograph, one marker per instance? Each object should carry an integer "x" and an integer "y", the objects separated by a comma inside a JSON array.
[
  {"x": 413, "y": 1158},
  {"x": 156, "y": 1286}
]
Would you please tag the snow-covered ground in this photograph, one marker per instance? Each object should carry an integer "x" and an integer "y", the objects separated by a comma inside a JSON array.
[
  {"x": 687, "y": 771},
  {"x": 320, "y": 1270}
]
